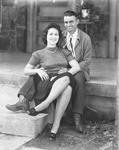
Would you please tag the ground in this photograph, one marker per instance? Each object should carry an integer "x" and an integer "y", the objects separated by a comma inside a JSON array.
[{"x": 98, "y": 135}]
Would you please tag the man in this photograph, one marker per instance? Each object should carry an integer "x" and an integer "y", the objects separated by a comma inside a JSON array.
[{"x": 80, "y": 44}]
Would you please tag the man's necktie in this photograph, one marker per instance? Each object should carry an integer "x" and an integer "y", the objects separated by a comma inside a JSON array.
[
  {"x": 73, "y": 53},
  {"x": 71, "y": 44}
]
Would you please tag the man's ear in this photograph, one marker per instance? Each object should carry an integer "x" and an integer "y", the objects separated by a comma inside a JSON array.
[{"x": 78, "y": 21}]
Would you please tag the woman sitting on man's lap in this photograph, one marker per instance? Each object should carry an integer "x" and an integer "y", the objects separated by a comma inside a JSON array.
[{"x": 53, "y": 80}]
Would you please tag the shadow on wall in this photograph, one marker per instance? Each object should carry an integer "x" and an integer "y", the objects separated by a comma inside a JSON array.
[{"x": 4, "y": 43}]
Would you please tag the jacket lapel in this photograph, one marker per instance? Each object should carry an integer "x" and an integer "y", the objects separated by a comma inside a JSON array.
[
  {"x": 78, "y": 39},
  {"x": 64, "y": 39}
]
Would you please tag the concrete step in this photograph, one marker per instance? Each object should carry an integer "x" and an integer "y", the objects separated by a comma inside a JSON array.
[
  {"x": 21, "y": 123},
  {"x": 99, "y": 88},
  {"x": 11, "y": 142},
  {"x": 11, "y": 79},
  {"x": 17, "y": 123},
  {"x": 100, "y": 92},
  {"x": 93, "y": 87}
]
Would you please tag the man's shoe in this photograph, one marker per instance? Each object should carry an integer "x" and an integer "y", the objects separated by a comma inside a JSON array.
[
  {"x": 78, "y": 123},
  {"x": 21, "y": 105}
]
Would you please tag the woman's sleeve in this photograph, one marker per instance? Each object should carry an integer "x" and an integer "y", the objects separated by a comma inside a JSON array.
[
  {"x": 35, "y": 59},
  {"x": 68, "y": 55}
]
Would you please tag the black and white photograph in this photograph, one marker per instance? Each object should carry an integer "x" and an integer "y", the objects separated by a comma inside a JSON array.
[{"x": 59, "y": 74}]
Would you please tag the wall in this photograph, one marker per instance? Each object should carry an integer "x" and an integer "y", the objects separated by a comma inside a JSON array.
[{"x": 13, "y": 32}]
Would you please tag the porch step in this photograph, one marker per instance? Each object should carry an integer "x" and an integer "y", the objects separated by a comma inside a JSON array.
[
  {"x": 21, "y": 123},
  {"x": 11, "y": 79},
  {"x": 100, "y": 95},
  {"x": 93, "y": 87},
  {"x": 99, "y": 88},
  {"x": 17, "y": 123}
]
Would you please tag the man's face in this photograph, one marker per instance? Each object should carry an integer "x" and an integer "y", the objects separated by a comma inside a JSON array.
[{"x": 70, "y": 22}]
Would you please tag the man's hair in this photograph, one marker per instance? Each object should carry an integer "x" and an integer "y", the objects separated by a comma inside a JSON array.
[
  {"x": 70, "y": 13},
  {"x": 45, "y": 32}
]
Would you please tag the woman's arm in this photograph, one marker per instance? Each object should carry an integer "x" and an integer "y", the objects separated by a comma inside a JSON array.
[
  {"x": 31, "y": 70},
  {"x": 75, "y": 67}
]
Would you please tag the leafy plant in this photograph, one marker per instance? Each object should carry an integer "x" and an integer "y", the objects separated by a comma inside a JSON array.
[
  {"x": 100, "y": 26},
  {"x": 99, "y": 22}
]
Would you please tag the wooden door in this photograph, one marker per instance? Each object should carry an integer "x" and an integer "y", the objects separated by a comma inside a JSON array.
[
  {"x": 43, "y": 13},
  {"x": 40, "y": 14},
  {"x": 47, "y": 12}
]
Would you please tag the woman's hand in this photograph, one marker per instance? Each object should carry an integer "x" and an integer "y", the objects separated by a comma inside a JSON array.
[
  {"x": 31, "y": 70},
  {"x": 43, "y": 74},
  {"x": 62, "y": 70}
]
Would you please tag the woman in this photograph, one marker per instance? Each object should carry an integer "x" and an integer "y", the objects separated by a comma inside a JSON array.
[{"x": 54, "y": 75}]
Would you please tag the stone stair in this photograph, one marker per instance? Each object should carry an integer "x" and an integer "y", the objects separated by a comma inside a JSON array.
[
  {"x": 21, "y": 124},
  {"x": 102, "y": 98},
  {"x": 18, "y": 123}
]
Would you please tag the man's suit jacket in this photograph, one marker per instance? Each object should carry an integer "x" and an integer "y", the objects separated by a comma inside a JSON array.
[{"x": 83, "y": 51}]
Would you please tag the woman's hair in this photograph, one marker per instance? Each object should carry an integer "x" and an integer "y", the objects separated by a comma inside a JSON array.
[
  {"x": 70, "y": 13},
  {"x": 45, "y": 32}
]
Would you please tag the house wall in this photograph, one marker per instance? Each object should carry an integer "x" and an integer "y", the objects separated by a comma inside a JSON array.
[
  {"x": 114, "y": 27},
  {"x": 108, "y": 50},
  {"x": 13, "y": 31}
]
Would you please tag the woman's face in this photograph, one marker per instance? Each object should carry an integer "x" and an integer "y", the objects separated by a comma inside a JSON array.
[{"x": 52, "y": 36}]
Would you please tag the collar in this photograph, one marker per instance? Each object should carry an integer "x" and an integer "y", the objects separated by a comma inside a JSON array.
[
  {"x": 73, "y": 35},
  {"x": 65, "y": 33}
]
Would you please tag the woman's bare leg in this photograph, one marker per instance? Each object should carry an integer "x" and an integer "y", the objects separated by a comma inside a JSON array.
[
  {"x": 58, "y": 87},
  {"x": 61, "y": 105}
]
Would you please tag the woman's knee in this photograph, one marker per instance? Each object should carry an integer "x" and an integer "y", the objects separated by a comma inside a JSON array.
[{"x": 66, "y": 79}]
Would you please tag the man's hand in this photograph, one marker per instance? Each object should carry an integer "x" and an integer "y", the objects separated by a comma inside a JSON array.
[{"x": 62, "y": 70}]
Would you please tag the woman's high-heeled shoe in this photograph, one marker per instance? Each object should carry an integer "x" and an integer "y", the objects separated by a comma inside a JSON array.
[
  {"x": 52, "y": 136},
  {"x": 21, "y": 105},
  {"x": 32, "y": 112}
]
